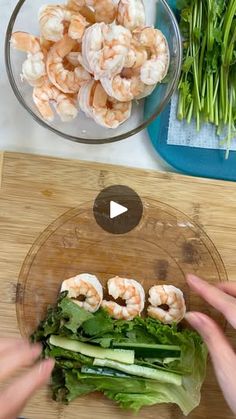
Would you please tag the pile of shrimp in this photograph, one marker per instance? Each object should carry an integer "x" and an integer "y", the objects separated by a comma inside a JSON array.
[
  {"x": 167, "y": 303},
  {"x": 96, "y": 56}
]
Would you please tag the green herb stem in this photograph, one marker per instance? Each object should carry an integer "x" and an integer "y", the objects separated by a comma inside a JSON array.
[{"x": 207, "y": 89}]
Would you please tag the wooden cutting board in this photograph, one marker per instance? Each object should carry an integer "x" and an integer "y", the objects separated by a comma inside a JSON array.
[{"x": 47, "y": 232}]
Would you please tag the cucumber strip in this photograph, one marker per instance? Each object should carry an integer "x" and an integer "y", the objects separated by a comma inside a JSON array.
[
  {"x": 120, "y": 355},
  {"x": 105, "y": 372},
  {"x": 139, "y": 371},
  {"x": 161, "y": 367},
  {"x": 145, "y": 350}
]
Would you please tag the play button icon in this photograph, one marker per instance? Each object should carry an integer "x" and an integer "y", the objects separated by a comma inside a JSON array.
[{"x": 118, "y": 209}]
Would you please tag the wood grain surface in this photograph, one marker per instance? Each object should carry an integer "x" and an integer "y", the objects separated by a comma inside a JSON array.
[{"x": 47, "y": 233}]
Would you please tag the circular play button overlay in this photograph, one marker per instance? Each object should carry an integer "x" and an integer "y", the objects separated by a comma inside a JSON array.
[{"x": 118, "y": 209}]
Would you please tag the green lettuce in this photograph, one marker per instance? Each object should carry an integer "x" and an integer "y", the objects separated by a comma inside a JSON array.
[
  {"x": 67, "y": 319},
  {"x": 133, "y": 393}
]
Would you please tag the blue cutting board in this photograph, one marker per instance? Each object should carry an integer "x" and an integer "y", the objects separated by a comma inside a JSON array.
[{"x": 190, "y": 160}]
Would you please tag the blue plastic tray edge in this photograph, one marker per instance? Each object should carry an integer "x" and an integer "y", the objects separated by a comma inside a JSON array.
[
  {"x": 210, "y": 163},
  {"x": 191, "y": 160}
]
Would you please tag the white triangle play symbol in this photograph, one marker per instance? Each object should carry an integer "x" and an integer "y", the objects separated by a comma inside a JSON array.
[{"x": 116, "y": 209}]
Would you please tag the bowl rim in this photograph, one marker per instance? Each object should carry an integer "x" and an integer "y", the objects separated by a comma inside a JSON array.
[{"x": 172, "y": 86}]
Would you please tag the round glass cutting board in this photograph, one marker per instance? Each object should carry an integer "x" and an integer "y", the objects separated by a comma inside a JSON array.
[{"x": 162, "y": 249}]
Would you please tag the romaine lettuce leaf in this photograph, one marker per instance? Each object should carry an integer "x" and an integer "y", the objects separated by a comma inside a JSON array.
[
  {"x": 68, "y": 319},
  {"x": 73, "y": 315},
  {"x": 65, "y": 319},
  {"x": 136, "y": 393},
  {"x": 98, "y": 325}
]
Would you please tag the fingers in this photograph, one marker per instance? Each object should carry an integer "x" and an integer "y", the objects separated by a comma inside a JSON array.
[
  {"x": 17, "y": 356},
  {"x": 8, "y": 343},
  {"x": 212, "y": 334},
  {"x": 225, "y": 303},
  {"x": 222, "y": 354},
  {"x": 228, "y": 287},
  {"x": 14, "y": 397}
]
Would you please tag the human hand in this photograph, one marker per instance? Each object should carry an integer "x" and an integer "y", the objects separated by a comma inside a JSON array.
[
  {"x": 222, "y": 354},
  {"x": 16, "y": 354}
]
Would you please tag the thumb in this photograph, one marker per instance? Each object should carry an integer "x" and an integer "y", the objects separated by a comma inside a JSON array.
[
  {"x": 14, "y": 397},
  {"x": 221, "y": 352}
]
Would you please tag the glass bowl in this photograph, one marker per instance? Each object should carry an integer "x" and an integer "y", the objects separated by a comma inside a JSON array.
[{"x": 84, "y": 130}]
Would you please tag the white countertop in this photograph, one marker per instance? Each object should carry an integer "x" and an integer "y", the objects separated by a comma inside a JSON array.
[{"x": 19, "y": 132}]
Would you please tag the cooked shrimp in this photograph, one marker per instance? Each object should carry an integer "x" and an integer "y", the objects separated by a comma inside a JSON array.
[
  {"x": 75, "y": 5},
  {"x": 96, "y": 104},
  {"x": 112, "y": 113},
  {"x": 131, "y": 292},
  {"x": 92, "y": 45},
  {"x": 73, "y": 58},
  {"x": 104, "y": 49},
  {"x": 105, "y": 110},
  {"x": 64, "y": 79},
  {"x": 65, "y": 105},
  {"x": 104, "y": 10},
  {"x": 77, "y": 27},
  {"x": 79, "y": 6},
  {"x": 45, "y": 44},
  {"x": 85, "y": 98},
  {"x": 89, "y": 14},
  {"x": 52, "y": 20},
  {"x": 154, "y": 69},
  {"x": 170, "y": 296},
  {"x": 33, "y": 68},
  {"x": 131, "y": 14},
  {"x": 85, "y": 285},
  {"x": 125, "y": 86},
  {"x": 121, "y": 88},
  {"x": 136, "y": 57}
]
